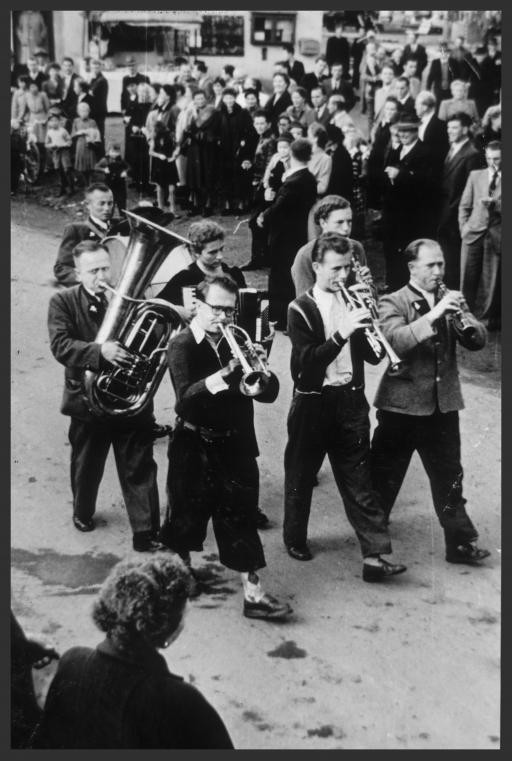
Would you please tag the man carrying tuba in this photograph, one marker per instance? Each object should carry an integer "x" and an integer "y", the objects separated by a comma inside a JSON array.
[
  {"x": 212, "y": 455},
  {"x": 75, "y": 315}
]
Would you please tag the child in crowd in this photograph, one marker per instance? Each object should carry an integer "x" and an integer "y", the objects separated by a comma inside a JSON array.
[
  {"x": 88, "y": 139},
  {"x": 58, "y": 146},
  {"x": 116, "y": 171}
]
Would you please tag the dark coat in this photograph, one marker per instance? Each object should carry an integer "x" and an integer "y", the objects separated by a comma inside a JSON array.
[
  {"x": 435, "y": 139},
  {"x": 75, "y": 233},
  {"x": 455, "y": 174},
  {"x": 99, "y": 94},
  {"x": 430, "y": 376},
  {"x": 344, "y": 89},
  {"x": 190, "y": 364},
  {"x": 404, "y": 199},
  {"x": 296, "y": 71},
  {"x": 407, "y": 110},
  {"x": 341, "y": 181},
  {"x": 105, "y": 698},
  {"x": 312, "y": 353},
  {"x": 338, "y": 51},
  {"x": 419, "y": 55},
  {"x": 193, "y": 275},
  {"x": 435, "y": 78},
  {"x": 73, "y": 330},
  {"x": 287, "y": 217},
  {"x": 310, "y": 81},
  {"x": 70, "y": 98},
  {"x": 274, "y": 109},
  {"x": 235, "y": 133},
  {"x": 138, "y": 79}
]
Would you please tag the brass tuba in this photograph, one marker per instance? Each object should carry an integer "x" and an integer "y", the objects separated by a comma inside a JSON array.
[{"x": 143, "y": 327}]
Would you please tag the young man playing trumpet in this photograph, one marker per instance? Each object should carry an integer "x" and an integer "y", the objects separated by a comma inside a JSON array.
[
  {"x": 212, "y": 454},
  {"x": 418, "y": 407},
  {"x": 329, "y": 411}
]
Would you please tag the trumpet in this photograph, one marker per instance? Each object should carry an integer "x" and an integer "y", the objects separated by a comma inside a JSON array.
[
  {"x": 256, "y": 374},
  {"x": 462, "y": 325},
  {"x": 359, "y": 296}
]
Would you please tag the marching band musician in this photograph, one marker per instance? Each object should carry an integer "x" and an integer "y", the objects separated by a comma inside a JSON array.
[
  {"x": 329, "y": 410},
  {"x": 418, "y": 407},
  {"x": 74, "y": 317},
  {"x": 212, "y": 454}
]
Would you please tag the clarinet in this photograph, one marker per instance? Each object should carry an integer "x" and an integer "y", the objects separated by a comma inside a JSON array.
[{"x": 463, "y": 326}]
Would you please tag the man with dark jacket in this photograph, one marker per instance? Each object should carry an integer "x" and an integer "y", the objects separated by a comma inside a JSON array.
[
  {"x": 98, "y": 225},
  {"x": 441, "y": 73},
  {"x": 287, "y": 222},
  {"x": 413, "y": 51},
  {"x": 338, "y": 48},
  {"x": 132, "y": 76},
  {"x": 408, "y": 184},
  {"x": 98, "y": 94},
  {"x": 329, "y": 411},
  {"x": 418, "y": 407},
  {"x": 74, "y": 316},
  {"x": 338, "y": 85},
  {"x": 69, "y": 96},
  {"x": 295, "y": 68},
  {"x": 212, "y": 455},
  {"x": 461, "y": 159}
]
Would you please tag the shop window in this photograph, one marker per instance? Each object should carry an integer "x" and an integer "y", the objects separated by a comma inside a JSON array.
[
  {"x": 272, "y": 28},
  {"x": 222, "y": 35}
]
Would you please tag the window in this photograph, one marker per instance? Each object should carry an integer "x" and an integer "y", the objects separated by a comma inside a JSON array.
[
  {"x": 222, "y": 35},
  {"x": 272, "y": 28}
]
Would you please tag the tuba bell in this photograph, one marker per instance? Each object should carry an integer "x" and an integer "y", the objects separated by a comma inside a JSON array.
[{"x": 143, "y": 327}]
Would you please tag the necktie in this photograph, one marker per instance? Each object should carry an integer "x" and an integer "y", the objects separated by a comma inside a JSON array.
[{"x": 493, "y": 183}]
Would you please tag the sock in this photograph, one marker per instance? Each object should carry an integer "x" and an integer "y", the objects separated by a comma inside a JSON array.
[
  {"x": 252, "y": 590},
  {"x": 372, "y": 560}
]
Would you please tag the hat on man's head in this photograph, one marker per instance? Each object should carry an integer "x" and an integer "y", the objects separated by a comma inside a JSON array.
[
  {"x": 130, "y": 60},
  {"x": 41, "y": 52},
  {"x": 407, "y": 126}
]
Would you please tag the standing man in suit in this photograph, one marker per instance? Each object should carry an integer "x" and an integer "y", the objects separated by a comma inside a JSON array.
[
  {"x": 319, "y": 103},
  {"x": 480, "y": 229},
  {"x": 338, "y": 85},
  {"x": 338, "y": 49},
  {"x": 34, "y": 74},
  {"x": 316, "y": 77},
  {"x": 405, "y": 100},
  {"x": 212, "y": 455},
  {"x": 329, "y": 411},
  {"x": 461, "y": 159},
  {"x": 75, "y": 314},
  {"x": 99, "y": 223},
  {"x": 295, "y": 68},
  {"x": 387, "y": 76},
  {"x": 204, "y": 81},
  {"x": 98, "y": 88},
  {"x": 69, "y": 95},
  {"x": 441, "y": 74},
  {"x": 434, "y": 136},
  {"x": 408, "y": 183},
  {"x": 414, "y": 51},
  {"x": 132, "y": 76},
  {"x": 418, "y": 407},
  {"x": 380, "y": 148},
  {"x": 287, "y": 222}
]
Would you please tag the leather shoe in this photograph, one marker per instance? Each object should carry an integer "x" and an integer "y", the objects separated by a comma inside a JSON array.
[
  {"x": 83, "y": 525},
  {"x": 159, "y": 431},
  {"x": 261, "y": 519},
  {"x": 381, "y": 571},
  {"x": 466, "y": 553},
  {"x": 299, "y": 553},
  {"x": 268, "y": 608},
  {"x": 143, "y": 541}
]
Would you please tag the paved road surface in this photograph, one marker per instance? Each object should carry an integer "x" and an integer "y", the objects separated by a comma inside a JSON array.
[{"x": 410, "y": 664}]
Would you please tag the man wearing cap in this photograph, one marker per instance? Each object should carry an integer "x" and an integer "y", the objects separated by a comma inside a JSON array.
[
  {"x": 406, "y": 186},
  {"x": 132, "y": 76}
]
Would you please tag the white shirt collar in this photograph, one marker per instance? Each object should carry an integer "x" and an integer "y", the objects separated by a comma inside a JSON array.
[
  {"x": 289, "y": 172},
  {"x": 426, "y": 118},
  {"x": 407, "y": 148},
  {"x": 319, "y": 295},
  {"x": 455, "y": 147},
  {"x": 197, "y": 331},
  {"x": 99, "y": 223}
]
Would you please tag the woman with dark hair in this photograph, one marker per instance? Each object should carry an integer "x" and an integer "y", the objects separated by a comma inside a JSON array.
[
  {"x": 218, "y": 88},
  {"x": 121, "y": 694}
]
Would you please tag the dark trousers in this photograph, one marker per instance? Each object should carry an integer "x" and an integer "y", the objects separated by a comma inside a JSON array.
[
  {"x": 213, "y": 479},
  {"x": 133, "y": 451},
  {"x": 436, "y": 438},
  {"x": 481, "y": 260},
  {"x": 335, "y": 423},
  {"x": 259, "y": 240}
]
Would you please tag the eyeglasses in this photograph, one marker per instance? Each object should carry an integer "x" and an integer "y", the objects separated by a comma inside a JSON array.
[{"x": 228, "y": 311}]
